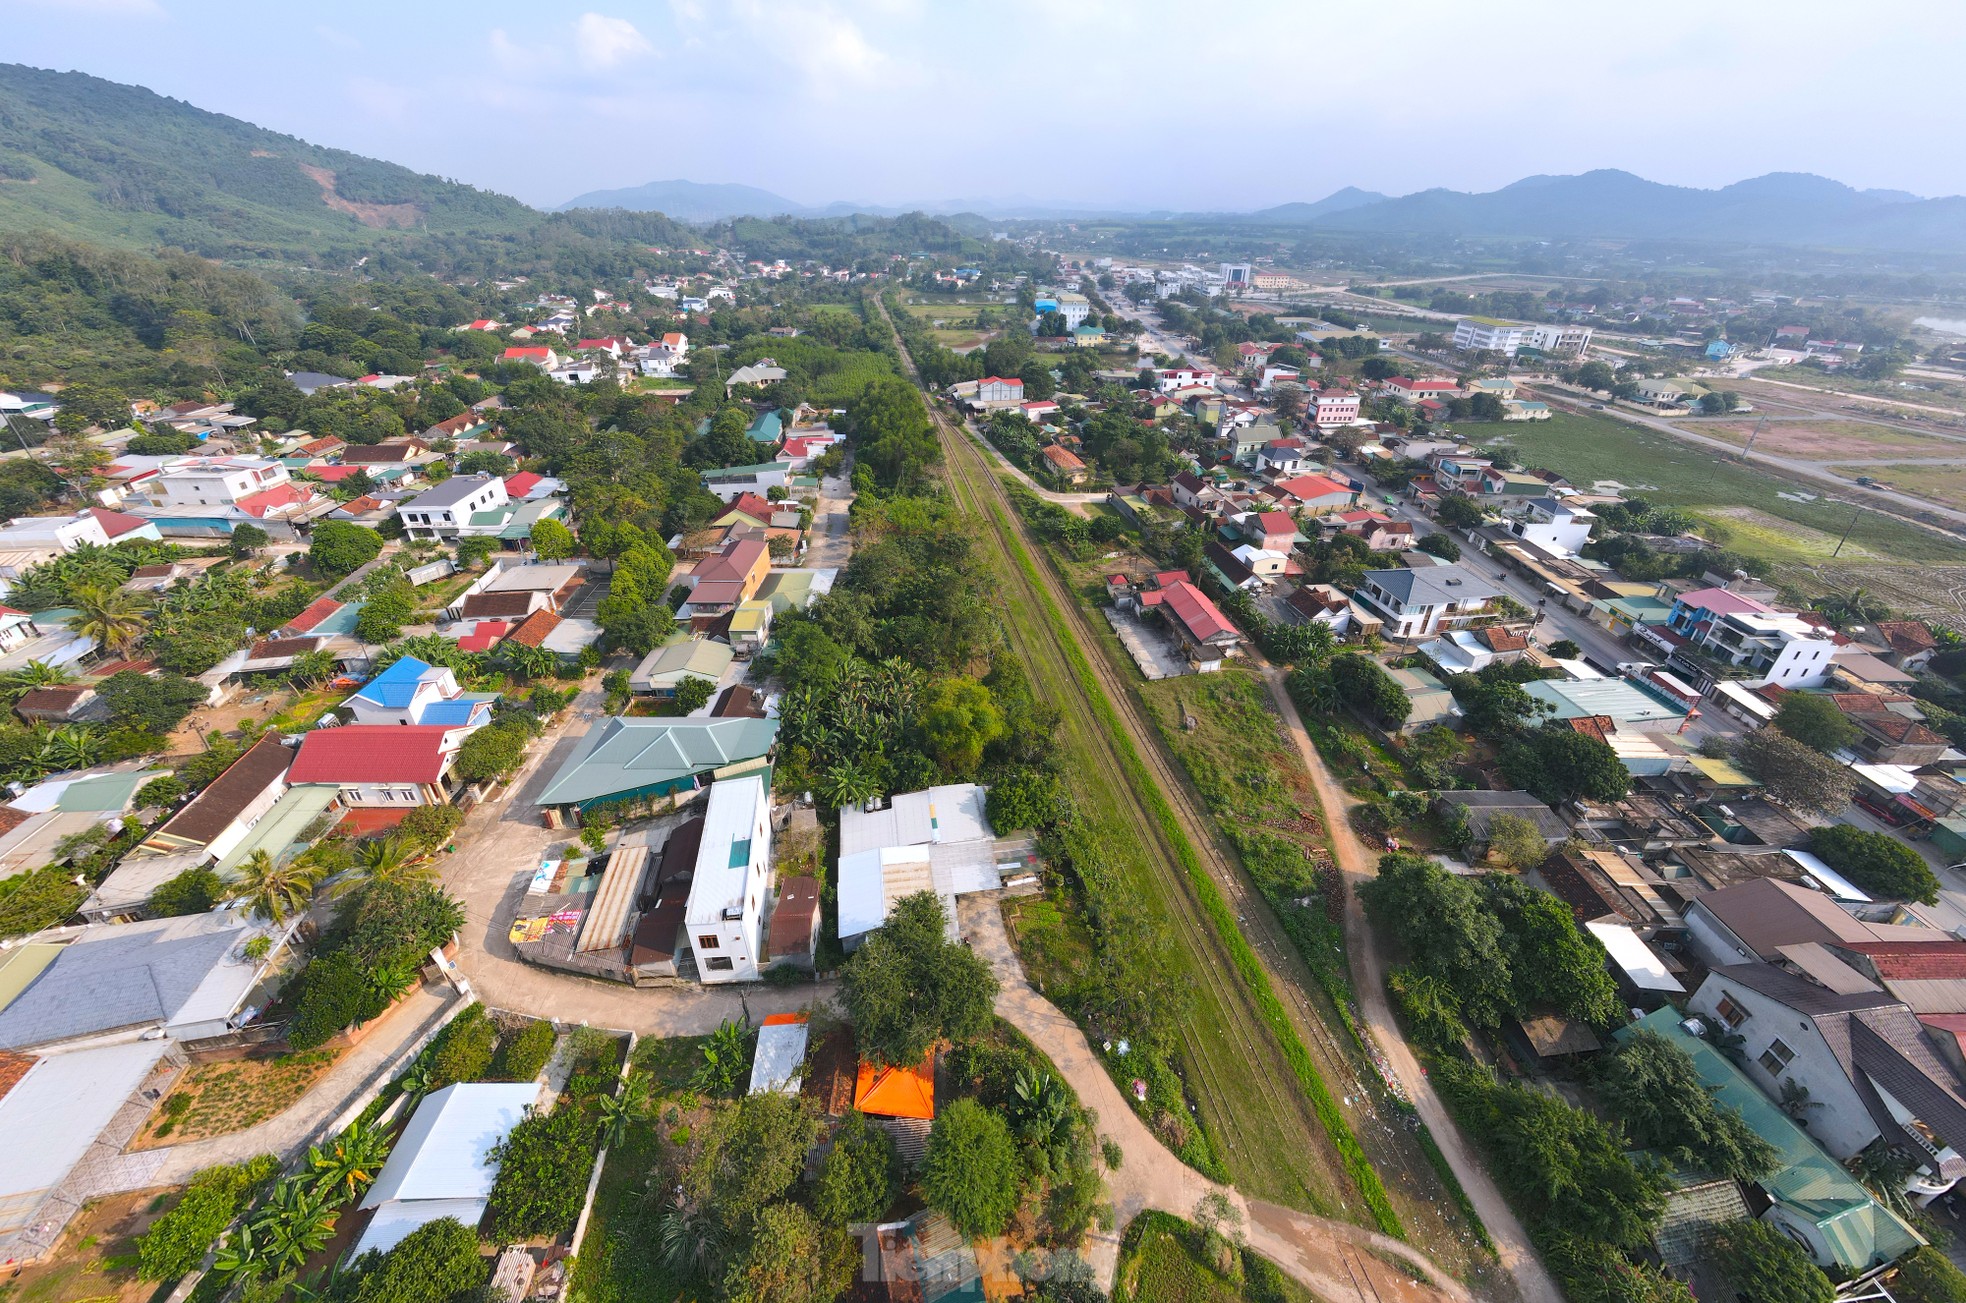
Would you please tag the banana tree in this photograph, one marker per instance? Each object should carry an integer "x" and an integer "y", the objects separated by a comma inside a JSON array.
[{"x": 342, "y": 1168}]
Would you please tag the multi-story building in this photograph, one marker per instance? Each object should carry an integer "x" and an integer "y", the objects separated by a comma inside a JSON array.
[
  {"x": 1420, "y": 603},
  {"x": 1236, "y": 274},
  {"x": 446, "y": 510},
  {"x": 1780, "y": 647},
  {"x": 1486, "y": 334},
  {"x": 1554, "y": 526},
  {"x": 216, "y": 481},
  {"x": 1335, "y": 408},
  {"x": 725, "y": 914}
]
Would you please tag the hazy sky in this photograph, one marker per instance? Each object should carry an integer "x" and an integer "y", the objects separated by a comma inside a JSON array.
[{"x": 1132, "y": 103}]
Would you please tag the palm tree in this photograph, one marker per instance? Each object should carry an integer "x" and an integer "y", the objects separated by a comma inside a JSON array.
[
  {"x": 278, "y": 890},
  {"x": 848, "y": 784},
  {"x": 393, "y": 859},
  {"x": 528, "y": 662},
  {"x": 341, "y": 1169},
  {"x": 112, "y": 616},
  {"x": 15, "y": 684}
]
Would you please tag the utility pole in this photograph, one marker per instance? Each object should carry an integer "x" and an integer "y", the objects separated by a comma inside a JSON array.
[
  {"x": 1756, "y": 434},
  {"x": 1846, "y": 533}
]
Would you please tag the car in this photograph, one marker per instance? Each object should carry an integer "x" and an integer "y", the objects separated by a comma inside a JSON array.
[{"x": 1597, "y": 407}]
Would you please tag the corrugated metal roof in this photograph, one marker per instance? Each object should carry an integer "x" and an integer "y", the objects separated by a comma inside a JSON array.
[
  {"x": 444, "y": 1150},
  {"x": 607, "y": 925}
]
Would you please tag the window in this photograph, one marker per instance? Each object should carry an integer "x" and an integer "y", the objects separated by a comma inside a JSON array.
[
  {"x": 720, "y": 964},
  {"x": 1730, "y": 1013},
  {"x": 708, "y": 941},
  {"x": 1776, "y": 1056}
]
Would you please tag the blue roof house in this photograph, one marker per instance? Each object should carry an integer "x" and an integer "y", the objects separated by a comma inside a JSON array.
[{"x": 411, "y": 691}]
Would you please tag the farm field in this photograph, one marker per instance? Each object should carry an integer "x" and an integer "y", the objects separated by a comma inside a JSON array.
[
  {"x": 1830, "y": 440},
  {"x": 1592, "y": 449},
  {"x": 1942, "y": 484}
]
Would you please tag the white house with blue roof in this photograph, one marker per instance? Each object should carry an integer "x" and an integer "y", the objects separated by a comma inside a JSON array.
[{"x": 415, "y": 692}]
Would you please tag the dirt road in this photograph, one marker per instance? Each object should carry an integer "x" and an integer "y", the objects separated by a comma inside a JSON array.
[{"x": 1369, "y": 978}]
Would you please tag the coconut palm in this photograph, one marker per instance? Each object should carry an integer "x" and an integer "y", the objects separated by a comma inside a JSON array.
[
  {"x": 113, "y": 616},
  {"x": 15, "y": 684},
  {"x": 343, "y": 1168},
  {"x": 393, "y": 859},
  {"x": 278, "y": 890}
]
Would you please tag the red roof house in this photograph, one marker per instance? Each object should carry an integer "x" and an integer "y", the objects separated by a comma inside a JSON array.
[
  {"x": 370, "y": 755},
  {"x": 116, "y": 523}
]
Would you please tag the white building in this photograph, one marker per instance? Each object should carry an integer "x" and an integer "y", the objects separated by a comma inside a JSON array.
[
  {"x": 446, "y": 511},
  {"x": 1420, "y": 603},
  {"x": 1554, "y": 527},
  {"x": 442, "y": 1166},
  {"x": 1236, "y": 273},
  {"x": 51, "y": 534},
  {"x": 1477, "y": 334},
  {"x": 217, "y": 481},
  {"x": 938, "y": 840},
  {"x": 725, "y": 913}
]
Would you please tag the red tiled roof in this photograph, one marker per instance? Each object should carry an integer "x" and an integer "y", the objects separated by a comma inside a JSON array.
[
  {"x": 517, "y": 352},
  {"x": 522, "y": 483},
  {"x": 1308, "y": 487},
  {"x": 1063, "y": 458},
  {"x": 1912, "y": 961},
  {"x": 1503, "y": 640},
  {"x": 317, "y": 610},
  {"x": 273, "y": 648},
  {"x": 380, "y": 454},
  {"x": 1907, "y": 635},
  {"x": 1001, "y": 380},
  {"x": 484, "y": 636},
  {"x": 12, "y": 1068},
  {"x": 106, "y": 669},
  {"x": 752, "y": 505},
  {"x": 371, "y": 753},
  {"x": 335, "y": 474},
  {"x": 499, "y": 606},
  {"x": 533, "y": 630},
  {"x": 283, "y": 495},
  {"x": 1594, "y": 726}
]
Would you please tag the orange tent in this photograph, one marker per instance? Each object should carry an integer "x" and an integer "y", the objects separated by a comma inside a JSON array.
[{"x": 897, "y": 1092}]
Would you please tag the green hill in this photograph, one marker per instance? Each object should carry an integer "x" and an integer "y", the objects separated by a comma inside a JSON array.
[{"x": 123, "y": 165}]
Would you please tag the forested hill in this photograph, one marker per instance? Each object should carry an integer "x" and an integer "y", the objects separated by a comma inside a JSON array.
[{"x": 123, "y": 165}]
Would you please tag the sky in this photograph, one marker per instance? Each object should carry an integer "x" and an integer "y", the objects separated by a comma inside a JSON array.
[{"x": 1135, "y": 104}]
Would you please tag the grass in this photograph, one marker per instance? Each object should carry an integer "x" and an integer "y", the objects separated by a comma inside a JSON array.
[
  {"x": 1827, "y": 440},
  {"x": 1166, "y": 1260},
  {"x": 226, "y": 1097},
  {"x": 1668, "y": 472},
  {"x": 1945, "y": 485},
  {"x": 619, "y": 1260}
]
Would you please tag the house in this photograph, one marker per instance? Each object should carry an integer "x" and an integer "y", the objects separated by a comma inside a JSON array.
[
  {"x": 1888, "y": 739},
  {"x": 522, "y": 589},
  {"x": 794, "y": 933},
  {"x": 1928, "y": 977},
  {"x": 1554, "y": 527},
  {"x": 1272, "y": 531},
  {"x": 1281, "y": 457},
  {"x": 1481, "y": 807},
  {"x": 411, "y": 691},
  {"x": 1429, "y": 698},
  {"x": 663, "y": 670},
  {"x": 1463, "y": 651},
  {"x": 1862, "y": 1056},
  {"x": 1418, "y": 604},
  {"x": 1631, "y": 705},
  {"x": 1911, "y": 644},
  {"x": 1315, "y": 494},
  {"x": 1811, "y": 1197},
  {"x": 51, "y": 535},
  {"x": 533, "y": 355},
  {"x": 1322, "y": 604},
  {"x": 995, "y": 391},
  {"x": 219, "y": 818},
  {"x": 1782, "y": 648},
  {"x": 765, "y": 371},
  {"x": 381, "y": 764},
  {"x": 1334, "y": 407},
  {"x": 379, "y": 457},
  {"x": 750, "y": 626},
  {"x": 445, "y": 512},
  {"x": 577, "y": 371},
  {"x": 725, "y": 915},
  {"x": 937, "y": 840},
  {"x": 1063, "y": 463},
  {"x": 719, "y": 584},
  {"x": 1379, "y": 532},
  {"x": 624, "y": 759},
  {"x": 443, "y": 1165},
  {"x": 181, "y": 979},
  {"x": 731, "y": 481},
  {"x": 1759, "y": 918},
  {"x": 73, "y": 703},
  {"x": 1203, "y": 632},
  {"x": 1409, "y": 390},
  {"x": 1487, "y": 334}
]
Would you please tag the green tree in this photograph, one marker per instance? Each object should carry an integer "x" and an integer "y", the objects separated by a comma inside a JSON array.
[
  {"x": 959, "y": 718},
  {"x": 193, "y": 891},
  {"x": 1551, "y": 962},
  {"x": 246, "y": 540},
  {"x": 861, "y": 1176},
  {"x": 1441, "y": 545},
  {"x": 1876, "y": 861},
  {"x": 1457, "y": 512},
  {"x": 438, "y": 1262},
  {"x": 1557, "y": 764},
  {"x": 543, "y": 1165},
  {"x": 1765, "y": 1266},
  {"x": 1364, "y": 685},
  {"x": 693, "y": 693},
  {"x": 154, "y": 704},
  {"x": 1024, "y": 798},
  {"x": 1928, "y": 1276},
  {"x": 1444, "y": 925},
  {"x": 753, "y": 1153},
  {"x": 970, "y": 1170},
  {"x": 492, "y": 753},
  {"x": 791, "y": 1257},
  {"x": 383, "y": 616},
  {"x": 551, "y": 541},
  {"x": 1516, "y": 843},
  {"x": 278, "y": 889},
  {"x": 176, "y": 1242},
  {"x": 1794, "y": 774},
  {"x": 1597, "y": 376},
  {"x": 1814, "y": 720},
  {"x": 464, "y": 1050},
  {"x": 908, "y": 986},
  {"x": 340, "y": 548},
  {"x": 1652, "y": 1086}
]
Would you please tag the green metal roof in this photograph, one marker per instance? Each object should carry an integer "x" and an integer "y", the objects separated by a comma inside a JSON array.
[
  {"x": 1810, "y": 1184},
  {"x": 282, "y": 826},
  {"x": 625, "y": 754}
]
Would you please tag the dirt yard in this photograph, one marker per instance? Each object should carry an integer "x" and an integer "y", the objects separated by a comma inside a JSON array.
[
  {"x": 95, "y": 1261},
  {"x": 221, "y": 1098},
  {"x": 1829, "y": 440}
]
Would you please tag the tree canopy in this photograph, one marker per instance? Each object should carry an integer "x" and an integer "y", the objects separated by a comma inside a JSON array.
[
  {"x": 1651, "y": 1085},
  {"x": 909, "y": 986},
  {"x": 1876, "y": 861}
]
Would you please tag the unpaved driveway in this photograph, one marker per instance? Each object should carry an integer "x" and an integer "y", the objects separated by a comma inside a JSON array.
[{"x": 1369, "y": 980}]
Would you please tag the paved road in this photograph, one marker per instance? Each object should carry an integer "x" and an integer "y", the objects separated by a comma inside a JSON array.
[
  {"x": 829, "y": 543},
  {"x": 1369, "y": 981},
  {"x": 498, "y": 849},
  {"x": 1336, "y": 1260}
]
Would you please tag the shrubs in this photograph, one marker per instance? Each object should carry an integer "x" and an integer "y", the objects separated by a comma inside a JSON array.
[
  {"x": 857, "y": 1182},
  {"x": 176, "y": 1242},
  {"x": 463, "y": 1051},
  {"x": 523, "y": 1054},
  {"x": 191, "y": 892},
  {"x": 543, "y": 1165},
  {"x": 369, "y": 956},
  {"x": 333, "y": 994},
  {"x": 1765, "y": 1266},
  {"x": 435, "y": 1263}
]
